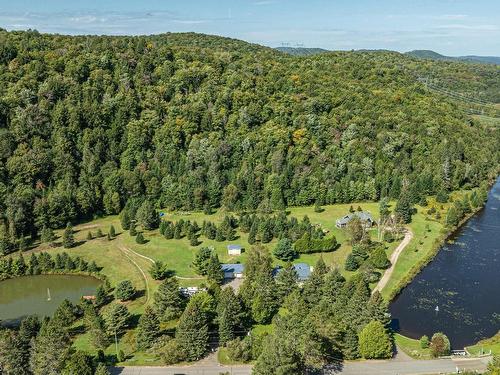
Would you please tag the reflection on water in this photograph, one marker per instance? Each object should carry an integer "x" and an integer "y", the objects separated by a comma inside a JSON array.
[
  {"x": 29, "y": 295},
  {"x": 463, "y": 281}
]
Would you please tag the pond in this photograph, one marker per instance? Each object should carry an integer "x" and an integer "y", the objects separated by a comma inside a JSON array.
[
  {"x": 458, "y": 292},
  {"x": 41, "y": 295}
]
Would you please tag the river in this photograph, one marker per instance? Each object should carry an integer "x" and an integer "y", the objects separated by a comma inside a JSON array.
[
  {"x": 458, "y": 293},
  {"x": 41, "y": 295}
]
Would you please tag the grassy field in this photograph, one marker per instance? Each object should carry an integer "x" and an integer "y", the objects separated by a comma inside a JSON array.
[
  {"x": 119, "y": 264},
  {"x": 485, "y": 346},
  {"x": 411, "y": 347}
]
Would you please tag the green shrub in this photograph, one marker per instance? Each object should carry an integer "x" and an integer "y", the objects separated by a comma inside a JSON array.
[
  {"x": 374, "y": 341},
  {"x": 379, "y": 259},
  {"x": 424, "y": 342}
]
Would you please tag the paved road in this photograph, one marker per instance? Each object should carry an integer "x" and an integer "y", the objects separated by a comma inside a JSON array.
[
  {"x": 389, "y": 367},
  {"x": 394, "y": 258}
]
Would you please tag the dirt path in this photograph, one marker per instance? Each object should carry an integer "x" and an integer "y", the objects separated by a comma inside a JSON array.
[
  {"x": 129, "y": 253},
  {"x": 394, "y": 258},
  {"x": 140, "y": 255}
]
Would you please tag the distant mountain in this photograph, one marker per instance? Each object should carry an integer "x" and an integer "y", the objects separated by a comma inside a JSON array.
[
  {"x": 301, "y": 51},
  {"x": 427, "y": 54}
]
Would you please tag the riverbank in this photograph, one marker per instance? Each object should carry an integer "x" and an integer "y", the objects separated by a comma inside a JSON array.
[
  {"x": 430, "y": 235},
  {"x": 460, "y": 280}
]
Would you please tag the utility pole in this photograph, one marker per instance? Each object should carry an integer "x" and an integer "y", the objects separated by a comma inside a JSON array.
[{"x": 116, "y": 345}]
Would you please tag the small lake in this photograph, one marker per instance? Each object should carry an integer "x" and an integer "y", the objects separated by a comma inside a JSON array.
[
  {"x": 29, "y": 295},
  {"x": 463, "y": 281}
]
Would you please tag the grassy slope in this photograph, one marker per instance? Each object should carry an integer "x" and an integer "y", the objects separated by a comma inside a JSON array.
[
  {"x": 484, "y": 346},
  {"x": 411, "y": 347}
]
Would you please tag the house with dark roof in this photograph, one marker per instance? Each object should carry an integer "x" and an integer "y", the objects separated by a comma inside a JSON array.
[
  {"x": 365, "y": 217},
  {"x": 233, "y": 270},
  {"x": 234, "y": 249}
]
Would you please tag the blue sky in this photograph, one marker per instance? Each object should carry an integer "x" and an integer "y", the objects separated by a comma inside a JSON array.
[{"x": 453, "y": 27}]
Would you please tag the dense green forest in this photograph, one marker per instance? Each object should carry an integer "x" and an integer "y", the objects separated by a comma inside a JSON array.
[{"x": 190, "y": 121}]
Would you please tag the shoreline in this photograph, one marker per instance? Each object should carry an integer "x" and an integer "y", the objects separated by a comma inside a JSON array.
[{"x": 436, "y": 247}]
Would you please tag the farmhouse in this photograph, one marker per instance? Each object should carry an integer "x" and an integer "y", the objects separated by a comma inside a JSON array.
[
  {"x": 365, "y": 217},
  {"x": 234, "y": 249},
  {"x": 233, "y": 271}
]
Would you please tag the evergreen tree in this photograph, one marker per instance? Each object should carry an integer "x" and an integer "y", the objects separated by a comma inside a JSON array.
[
  {"x": 47, "y": 235},
  {"x": 284, "y": 250},
  {"x": 147, "y": 216},
  {"x": 116, "y": 319},
  {"x": 168, "y": 300},
  {"x": 229, "y": 315},
  {"x": 279, "y": 356},
  {"x": 201, "y": 260},
  {"x": 19, "y": 266},
  {"x": 377, "y": 309},
  {"x": 350, "y": 347},
  {"x": 379, "y": 259},
  {"x": 101, "y": 297},
  {"x": 192, "y": 330},
  {"x": 286, "y": 282},
  {"x": 112, "y": 232},
  {"x": 79, "y": 363},
  {"x": 214, "y": 270},
  {"x": 314, "y": 285},
  {"x": 403, "y": 206},
  {"x": 125, "y": 219},
  {"x": 89, "y": 236},
  {"x": 158, "y": 270},
  {"x": 64, "y": 314},
  {"x": 101, "y": 369},
  {"x": 147, "y": 329},
  {"x": 332, "y": 286},
  {"x": 140, "y": 239},
  {"x": 252, "y": 234},
  {"x": 50, "y": 349},
  {"x": 133, "y": 231},
  {"x": 68, "y": 240},
  {"x": 99, "y": 233},
  {"x": 124, "y": 290}
]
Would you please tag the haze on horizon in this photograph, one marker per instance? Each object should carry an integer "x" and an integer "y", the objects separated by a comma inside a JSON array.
[{"x": 451, "y": 27}]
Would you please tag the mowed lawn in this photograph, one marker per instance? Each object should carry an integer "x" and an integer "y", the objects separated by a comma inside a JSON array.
[{"x": 179, "y": 255}]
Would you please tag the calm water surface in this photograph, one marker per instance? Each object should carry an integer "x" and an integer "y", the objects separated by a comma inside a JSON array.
[
  {"x": 463, "y": 281},
  {"x": 29, "y": 295}
]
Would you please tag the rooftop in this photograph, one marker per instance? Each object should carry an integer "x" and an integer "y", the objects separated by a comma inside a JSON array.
[
  {"x": 234, "y": 247},
  {"x": 233, "y": 267},
  {"x": 303, "y": 271},
  {"x": 362, "y": 215}
]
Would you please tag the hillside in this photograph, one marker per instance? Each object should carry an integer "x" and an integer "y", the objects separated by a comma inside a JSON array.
[
  {"x": 189, "y": 121},
  {"x": 427, "y": 54},
  {"x": 301, "y": 51}
]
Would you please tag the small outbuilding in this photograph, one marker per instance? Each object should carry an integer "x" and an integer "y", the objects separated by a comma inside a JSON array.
[
  {"x": 233, "y": 270},
  {"x": 365, "y": 217},
  {"x": 234, "y": 249}
]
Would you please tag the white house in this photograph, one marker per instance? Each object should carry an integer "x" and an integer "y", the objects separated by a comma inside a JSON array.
[{"x": 234, "y": 249}]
